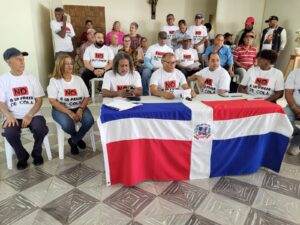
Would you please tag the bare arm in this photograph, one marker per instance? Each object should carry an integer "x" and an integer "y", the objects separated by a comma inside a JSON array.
[
  {"x": 275, "y": 96},
  {"x": 10, "y": 119},
  {"x": 291, "y": 101},
  {"x": 36, "y": 107},
  {"x": 60, "y": 107},
  {"x": 63, "y": 31},
  {"x": 242, "y": 89},
  {"x": 156, "y": 92}
]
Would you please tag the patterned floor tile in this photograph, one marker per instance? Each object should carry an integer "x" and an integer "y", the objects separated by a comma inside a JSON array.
[
  {"x": 148, "y": 186},
  {"x": 27, "y": 178},
  {"x": 96, "y": 163},
  {"x": 160, "y": 212},
  {"x": 77, "y": 175},
  {"x": 65, "y": 164},
  {"x": 107, "y": 191},
  {"x": 70, "y": 206},
  {"x": 223, "y": 210},
  {"x": 102, "y": 214},
  {"x": 83, "y": 154},
  {"x": 160, "y": 186},
  {"x": 282, "y": 185},
  {"x": 43, "y": 218},
  {"x": 14, "y": 208},
  {"x": 279, "y": 205},
  {"x": 28, "y": 219},
  {"x": 134, "y": 223},
  {"x": 290, "y": 159},
  {"x": 254, "y": 179},
  {"x": 236, "y": 190},
  {"x": 257, "y": 217},
  {"x": 184, "y": 194},
  {"x": 96, "y": 182},
  {"x": 129, "y": 200},
  {"x": 290, "y": 171},
  {"x": 206, "y": 183},
  {"x": 5, "y": 173},
  {"x": 6, "y": 191},
  {"x": 199, "y": 220}
]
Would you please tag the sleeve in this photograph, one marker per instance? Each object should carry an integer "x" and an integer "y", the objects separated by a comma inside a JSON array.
[
  {"x": 204, "y": 32},
  {"x": 224, "y": 83},
  {"x": 2, "y": 92},
  {"x": 283, "y": 39},
  {"x": 54, "y": 27},
  {"x": 154, "y": 79},
  {"x": 290, "y": 81},
  {"x": 196, "y": 57},
  {"x": 246, "y": 78},
  {"x": 182, "y": 79},
  {"x": 110, "y": 54},
  {"x": 147, "y": 63},
  {"x": 229, "y": 56},
  {"x": 279, "y": 85},
  {"x": 137, "y": 79},
  {"x": 200, "y": 72},
  {"x": 72, "y": 31},
  {"x": 52, "y": 89},
  {"x": 37, "y": 88},
  {"x": 206, "y": 53},
  {"x": 86, "y": 55},
  {"x": 84, "y": 88},
  {"x": 106, "y": 81}
]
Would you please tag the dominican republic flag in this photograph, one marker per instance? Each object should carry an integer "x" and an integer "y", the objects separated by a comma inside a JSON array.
[{"x": 192, "y": 140}]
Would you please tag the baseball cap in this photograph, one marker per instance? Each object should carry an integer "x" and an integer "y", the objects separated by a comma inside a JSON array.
[
  {"x": 186, "y": 37},
  {"x": 272, "y": 18},
  {"x": 250, "y": 20},
  {"x": 162, "y": 35},
  {"x": 198, "y": 16},
  {"x": 11, "y": 52}
]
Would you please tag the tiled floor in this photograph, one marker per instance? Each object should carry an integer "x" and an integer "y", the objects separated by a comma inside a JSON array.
[{"x": 72, "y": 191}]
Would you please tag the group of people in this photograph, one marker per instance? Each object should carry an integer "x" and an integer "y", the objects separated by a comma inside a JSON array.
[{"x": 129, "y": 68}]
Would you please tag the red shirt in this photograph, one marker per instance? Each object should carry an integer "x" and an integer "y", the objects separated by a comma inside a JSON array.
[{"x": 245, "y": 56}]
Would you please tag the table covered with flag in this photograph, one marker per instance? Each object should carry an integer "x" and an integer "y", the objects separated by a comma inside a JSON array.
[{"x": 192, "y": 140}]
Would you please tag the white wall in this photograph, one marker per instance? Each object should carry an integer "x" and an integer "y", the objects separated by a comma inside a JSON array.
[{"x": 140, "y": 12}]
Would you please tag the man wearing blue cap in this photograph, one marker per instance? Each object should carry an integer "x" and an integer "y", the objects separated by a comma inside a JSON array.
[{"x": 20, "y": 102}]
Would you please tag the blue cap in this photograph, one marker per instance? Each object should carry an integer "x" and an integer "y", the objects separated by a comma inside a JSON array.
[{"x": 11, "y": 52}]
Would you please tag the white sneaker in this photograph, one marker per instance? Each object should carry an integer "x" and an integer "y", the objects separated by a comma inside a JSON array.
[{"x": 293, "y": 150}]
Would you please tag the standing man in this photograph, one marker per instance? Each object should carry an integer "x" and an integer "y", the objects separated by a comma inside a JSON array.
[
  {"x": 273, "y": 37},
  {"x": 249, "y": 27},
  {"x": 170, "y": 29},
  {"x": 152, "y": 60},
  {"x": 63, "y": 34},
  {"x": 199, "y": 34},
  {"x": 21, "y": 98},
  {"x": 97, "y": 59}
]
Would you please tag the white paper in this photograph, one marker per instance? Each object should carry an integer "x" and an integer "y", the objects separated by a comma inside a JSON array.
[
  {"x": 194, "y": 65},
  {"x": 121, "y": 105},
  {"x": 182, "y": 93}
]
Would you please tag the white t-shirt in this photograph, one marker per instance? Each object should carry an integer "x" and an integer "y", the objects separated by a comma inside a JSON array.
[
  {"x": 293, "y": 82},
  {"x": 186, "y": 57},
  {"x": 167, "y": 81},
  {"x": 266, "y": 44},
  {"x": 116, "y": 82},
  {"x": 198, "y": 33},
  {"x": 19, "y": 93},
  {"x": 70, "y": 94},
  {"x": 215, "y": 80},
  {"x": 263, "y": 83},
  {"x": 155, "y": 53},
  {"x": 99, "y": 57},
  {"x": 62, "y": 44},
  {"x": 170, "y": 32}
]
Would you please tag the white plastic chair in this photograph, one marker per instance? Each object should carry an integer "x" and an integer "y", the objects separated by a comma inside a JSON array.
[
  {"x": 9, "y": 151},
  {"x": 93, "y": 88},
  {"x": 61, "y": 139}
]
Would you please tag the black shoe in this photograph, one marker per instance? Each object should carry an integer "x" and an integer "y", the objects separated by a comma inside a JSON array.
[
  {"x": 37, "y": 159},
  {"x": 74, "y": 149},
  {"x": 22, "y": 164},
  {"x": 81, "y": 144}
]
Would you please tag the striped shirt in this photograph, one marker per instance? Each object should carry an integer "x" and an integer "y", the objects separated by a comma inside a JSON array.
[{"x": 245, "y": 56}]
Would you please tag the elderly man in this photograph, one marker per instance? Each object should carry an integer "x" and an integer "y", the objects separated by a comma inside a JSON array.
[
  {"x": 97, "y": 59},
  {"x": 167, "y": 79},
  {"x": 63, "y": 34},
  {"x": 244, "y": 56},
  {"x": 249, "y": 27},
  {"x": 170, "y": 29},
  {"x": 152, "y": 60},
  {"x": 20, "y": 102},
  {"x": 273, "y": 37},
  {"x": 187, "y": 57}
]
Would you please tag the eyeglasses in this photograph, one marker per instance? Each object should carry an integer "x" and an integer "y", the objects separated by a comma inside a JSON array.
[
  {"x": 68, "y": 64},
  {"x": 170, "y": 63}
]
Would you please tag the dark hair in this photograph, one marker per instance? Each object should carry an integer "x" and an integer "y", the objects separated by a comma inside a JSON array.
[
  {"x": 98, "y": 32},
  {"x": 170, "y": 14},
  {"x": 268, "y": 55},
  {"x": 135, "y": 24},
  {"x": 118, "y": 57},
  {"x": 218, "y": 35},
  {"x": 208, "y": 26},
  {"x": 181, "y": 22},
  {"x": 125, "y": 36},
  {"x": 212, "y": 53},
  {"x": 88, "y": 21},
  {"x": 59, "y": 9},
  {"x": 227, "y": 34}
]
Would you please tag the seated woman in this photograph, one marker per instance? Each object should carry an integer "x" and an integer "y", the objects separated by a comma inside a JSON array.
[
  {"x": 264, "y": 81},
  {"x": 134, "y": 36},
  {"x": 127, "y": 49},
  {"x": 213, "y": 79},
  {"x": 69, "y": 97},
  {"x": 141, "y": 52},
  {"x": 122, "y": 80}
]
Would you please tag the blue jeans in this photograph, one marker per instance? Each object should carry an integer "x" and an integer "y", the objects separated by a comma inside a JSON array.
[
  {"x": 292, "y": 118},
  {"x": 68, "y": 125},
  {"x": 146, "y": 75}
]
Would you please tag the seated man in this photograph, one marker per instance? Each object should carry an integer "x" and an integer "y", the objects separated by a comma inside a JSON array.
[
  {"x": 178, "y": 35},
  {"x": 264, "y": 81},
  {"x": 244, "y": 56},
  {"x": 170, "y": 29},
  {"x": 213, "y": 79},
  {"x": 97, "y": 60},
  {"x": 152, "y": 60},
  {"x": 21, "y": 98},
  {"x": 122, "y": 80},
  {"x": 292, "y": 96},
  {"x": 187, "y": 57},
  {"x": 166, "y": 79},
  {"x": 114, "y": 46}
]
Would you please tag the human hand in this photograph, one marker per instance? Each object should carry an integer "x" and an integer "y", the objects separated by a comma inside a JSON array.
[
  {"x": 64, "y": 18},
  {"x": 74, "y": 116},
  {"x": 79, "y": 113},
  {"x": 26, "y": 121},
  {"x": 168, "y": 95},
  {"x": 201, "y": 82},
  {"x": 10, "y": 121}
]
